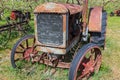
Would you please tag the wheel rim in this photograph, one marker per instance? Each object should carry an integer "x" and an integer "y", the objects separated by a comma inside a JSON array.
[
  {"x": 89, "y": 63},
  {"x": 25, "y": 52}
]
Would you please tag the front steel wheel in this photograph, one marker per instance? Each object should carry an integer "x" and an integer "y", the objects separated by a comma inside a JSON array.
[
  {"x": 86, "y": 62},
  {"x": 23, "y": 52}
]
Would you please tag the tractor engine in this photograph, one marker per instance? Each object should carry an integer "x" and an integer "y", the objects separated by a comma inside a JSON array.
[{"x": 57, "y": 26}]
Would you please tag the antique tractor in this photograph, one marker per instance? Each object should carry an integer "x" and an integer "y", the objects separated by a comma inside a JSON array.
[{"x": 59, "y": 28}]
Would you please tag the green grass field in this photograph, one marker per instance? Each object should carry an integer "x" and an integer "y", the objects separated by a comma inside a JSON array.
[{"x": 110, "y": 68}]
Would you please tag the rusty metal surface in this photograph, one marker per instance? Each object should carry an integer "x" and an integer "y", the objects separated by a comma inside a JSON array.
[
  {"x": 95, "y": 20},
  {"x": 51, "y": 60},
  {"x": 12, "y": 26},
  {"x": 58, "y": 50},
  {"x": 58, "y": 8},
  {"x": 49, "y": 49},
  {"x": 60, "y": 64},
  {"x": 84, "y": 14},
  {"x": 73, "y": 8}
]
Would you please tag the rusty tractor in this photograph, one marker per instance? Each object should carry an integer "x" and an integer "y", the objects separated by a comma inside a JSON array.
[{"x": 60, "y": 31}]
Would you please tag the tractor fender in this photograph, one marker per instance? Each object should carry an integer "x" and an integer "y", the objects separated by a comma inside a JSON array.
[{"x": 95, "y": 19}]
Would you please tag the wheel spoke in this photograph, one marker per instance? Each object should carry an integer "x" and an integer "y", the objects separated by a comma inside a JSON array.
[
  {"x": 97, "y": 59},
  {"x": 19, "y": 52},
  {"x": 83, "y": 75},
  {"x": 22, "y": 46},
  {"x": 26, "y": 57},
  {"x": 34, "y": 42},
  {"x": 92, "y": 50},
  {"x": 33, "y": 51},
  {"x": 84, "y": 64},
  {"x": 91, "y": 57},
  {"x": 18, "y": 59},
  {"x": 97, "y": 53},
  {"x": 27, "y": 43}
]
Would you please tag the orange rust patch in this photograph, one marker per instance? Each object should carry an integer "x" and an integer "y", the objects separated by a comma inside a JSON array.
[
  {"x": 95, "y": 19},
  {"x": 58, "y": 8},
  {"x": 64, "y": 23}
]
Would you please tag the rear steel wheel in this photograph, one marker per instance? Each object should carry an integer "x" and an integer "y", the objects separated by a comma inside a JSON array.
[
  {"x": 99, "y": 38},
  {"x": 86, "y": 62},
  {"x": 23, "y": 52}
]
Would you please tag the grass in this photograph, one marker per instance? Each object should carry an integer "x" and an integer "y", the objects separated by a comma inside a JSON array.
[
  {"x": 110, "y": 68},
  {"x": 111, "y": 54}
]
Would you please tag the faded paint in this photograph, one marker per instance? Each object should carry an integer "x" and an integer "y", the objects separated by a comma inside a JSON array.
[
  {"x": 64, "y": 34},
  {"x": 58, "y": 8},
  {"x": 51, "y": 50},
  {"x": 60, "y": 64},
  {"x": 95, "y": 20}
]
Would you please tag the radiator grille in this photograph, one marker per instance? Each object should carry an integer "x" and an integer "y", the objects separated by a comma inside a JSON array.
[{"x": 50, "y": 29}]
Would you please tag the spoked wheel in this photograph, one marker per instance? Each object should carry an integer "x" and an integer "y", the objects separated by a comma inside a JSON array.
[
  {"x": 86, "y": 62},
  {"x": 23, "y": 52}
]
